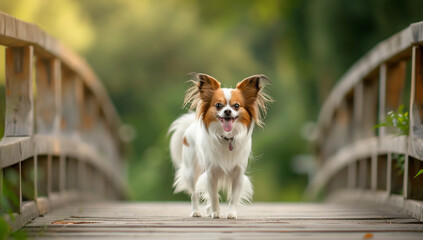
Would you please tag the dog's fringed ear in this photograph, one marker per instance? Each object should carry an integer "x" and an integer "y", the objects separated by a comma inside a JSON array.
[
  {"x": 252, "y": 89},
  {"x": 206, "y": 82},
  {"x": 251, "y": 86},
  {"x": 203, "y": 89}
]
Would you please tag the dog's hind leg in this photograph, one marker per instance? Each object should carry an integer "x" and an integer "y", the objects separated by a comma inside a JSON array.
[
  {"x": 195, "y": 201},
  {"x": 191, "y": 174}
]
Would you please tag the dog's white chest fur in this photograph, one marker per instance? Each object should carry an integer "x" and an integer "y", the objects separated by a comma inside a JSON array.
[{"x": 213, "y": 151}]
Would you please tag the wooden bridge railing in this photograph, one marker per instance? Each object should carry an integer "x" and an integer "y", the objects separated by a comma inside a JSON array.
[
  {"x": 61, "y": 140},
  {"x": 358, "y": 161}
]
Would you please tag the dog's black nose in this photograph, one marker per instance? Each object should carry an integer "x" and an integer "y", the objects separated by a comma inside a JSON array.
[{"x": 227, "y": 112}]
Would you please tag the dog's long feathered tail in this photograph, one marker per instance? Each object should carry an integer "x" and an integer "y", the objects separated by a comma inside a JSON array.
[{"x": 177, "y": 129}]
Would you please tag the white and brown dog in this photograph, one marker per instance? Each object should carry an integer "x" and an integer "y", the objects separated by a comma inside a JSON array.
[{"x": 211, "y": 147}]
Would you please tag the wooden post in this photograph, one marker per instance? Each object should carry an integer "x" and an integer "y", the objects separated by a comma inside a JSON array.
[
  {"x": 79, "y": 104},
  {"x": 82, "y": 187},
  {"x": 405, "y": 190},
  {"x": 389, "y": 174},
  {"x": 49, "y": 175},
  {"x": 416, "y": 96},
  {"x": 90, "y": 118},
  {"x": 19, "y": 95},
  {"x": 35, "y": 177},
  {"x": 395, "y": 83},
  {"x": 417, "y": 86},
  {"x": 62, "y": 173},
  {"x": 415, "y": 111},
  {"x": 358, "y": 111},
  {"x": 20, "y": 188},
  {"x": 370, "y": 104},
  {"x": 19, "y": 98},
  {"x": 48, "y": 77},
  {"x": 57, "y": 95},
  {"x": 373, "y": 173},
  {"x": 352, "y": 175},
  {"x": 70, "y": 114},
  {"x": 362, "y": 168},
  {"x": 382, "y": 93}
]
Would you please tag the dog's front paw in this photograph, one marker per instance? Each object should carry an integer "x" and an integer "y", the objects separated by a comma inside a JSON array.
[
  {"x": 215, "y": 215},
  {"x": 231, "y": 215},
  {"x": 196, "y": 214}
]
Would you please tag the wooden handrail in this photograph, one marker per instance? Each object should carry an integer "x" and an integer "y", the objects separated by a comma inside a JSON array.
[
  {"x": 351, "y": 154},
  {"x": 62, "y": 139}
]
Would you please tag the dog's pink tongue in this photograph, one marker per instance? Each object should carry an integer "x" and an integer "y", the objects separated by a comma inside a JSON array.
[{"x": 227, "y": 125}]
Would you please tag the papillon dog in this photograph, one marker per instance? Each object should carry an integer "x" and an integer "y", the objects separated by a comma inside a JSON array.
[{"x": 210, "y": 147}]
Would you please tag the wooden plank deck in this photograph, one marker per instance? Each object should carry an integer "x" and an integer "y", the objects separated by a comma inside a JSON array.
[{"x": 169, "y": 220}]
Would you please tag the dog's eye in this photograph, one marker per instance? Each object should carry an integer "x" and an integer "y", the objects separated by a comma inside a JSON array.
[
  {"x": 236, "y": 105},
  {"x": 219, "y": 105}
]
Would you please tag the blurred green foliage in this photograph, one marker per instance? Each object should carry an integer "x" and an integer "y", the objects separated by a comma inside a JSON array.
[
  {"x": 9, "y": 202},
  {"x": 399, "y": 120},
  {"x": 142, "y": 51}
]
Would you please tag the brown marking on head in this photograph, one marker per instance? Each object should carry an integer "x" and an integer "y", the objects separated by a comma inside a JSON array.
[
  {"x": 185, "y": 142},
  {"x": 254, "y": 97}
]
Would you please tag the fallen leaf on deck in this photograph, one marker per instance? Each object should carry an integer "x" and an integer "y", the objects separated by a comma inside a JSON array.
[{"x": 368, "y": 236}]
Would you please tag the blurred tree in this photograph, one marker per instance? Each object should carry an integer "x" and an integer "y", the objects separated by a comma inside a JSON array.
[{"x": 63, "y": 19}]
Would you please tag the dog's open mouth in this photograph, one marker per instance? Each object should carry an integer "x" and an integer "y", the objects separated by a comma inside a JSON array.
[{"x": 227, "y": 123}]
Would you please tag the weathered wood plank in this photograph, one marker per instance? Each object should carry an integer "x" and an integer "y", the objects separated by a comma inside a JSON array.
[
  {"x": 230, "y": 235},
  {"x": 256, "y": 221}
]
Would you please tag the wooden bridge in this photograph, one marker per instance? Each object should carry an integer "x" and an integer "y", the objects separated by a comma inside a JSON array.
[{"x": 61, "y": 155}]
